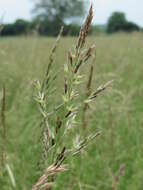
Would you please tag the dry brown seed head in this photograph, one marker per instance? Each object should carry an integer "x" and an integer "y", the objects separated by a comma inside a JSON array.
[
  {"x": 78, "y": 66},
  {"x": 70, "y": 58},
  {"x": 87, "y": 25},
  {"x": 53, "y": 141},
  {"x": 58, "y": 123},
  {"x": 68, "y": 114},
  {"x": 66, "y": 86},
  {"x": 84, "y": 30}
]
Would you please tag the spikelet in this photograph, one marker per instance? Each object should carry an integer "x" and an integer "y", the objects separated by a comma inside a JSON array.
[
  {"x": 43, "y": 182},
  {"x": 84, "y": 31}
]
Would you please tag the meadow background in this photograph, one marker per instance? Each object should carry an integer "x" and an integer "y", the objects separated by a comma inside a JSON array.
[{"x": 117, "y": 113}]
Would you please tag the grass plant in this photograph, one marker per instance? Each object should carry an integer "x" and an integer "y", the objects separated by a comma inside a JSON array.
[
  {"x": 117, "y": 113},
  {"x": 61, "y": 133}
]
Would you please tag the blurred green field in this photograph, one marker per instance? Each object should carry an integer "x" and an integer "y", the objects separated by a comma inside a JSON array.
[{"x": 118, "y": 112}]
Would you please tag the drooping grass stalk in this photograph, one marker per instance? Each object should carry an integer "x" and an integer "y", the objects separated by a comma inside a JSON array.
[
  {"x": 3, "y": 128},
  {"x": 60, "y": 126},
  {"x": 3, "y": 162},
  {"x": 116, "y": 179},
  {"x": 111, "y": 134}
]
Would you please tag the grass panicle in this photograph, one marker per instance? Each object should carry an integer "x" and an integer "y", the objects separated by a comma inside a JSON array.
[
  {"x": 99, "y": 90},
  {"x": 117, "y": 177},
  {"x": 61, "y": 126},
  {"x": 84, "y": 31}
]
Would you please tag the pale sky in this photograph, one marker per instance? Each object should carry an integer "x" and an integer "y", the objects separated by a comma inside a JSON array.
[{"x": 10, "y": 10}]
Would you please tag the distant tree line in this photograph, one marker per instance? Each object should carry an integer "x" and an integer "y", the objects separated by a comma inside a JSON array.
[
  {"x": 49, "y": 16},
  {"x": 25, "y": 28},
  {"x": 118, "y": 22},
  {"x": 50, "y": 27},
  {"x": 22, "y": 27}
]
